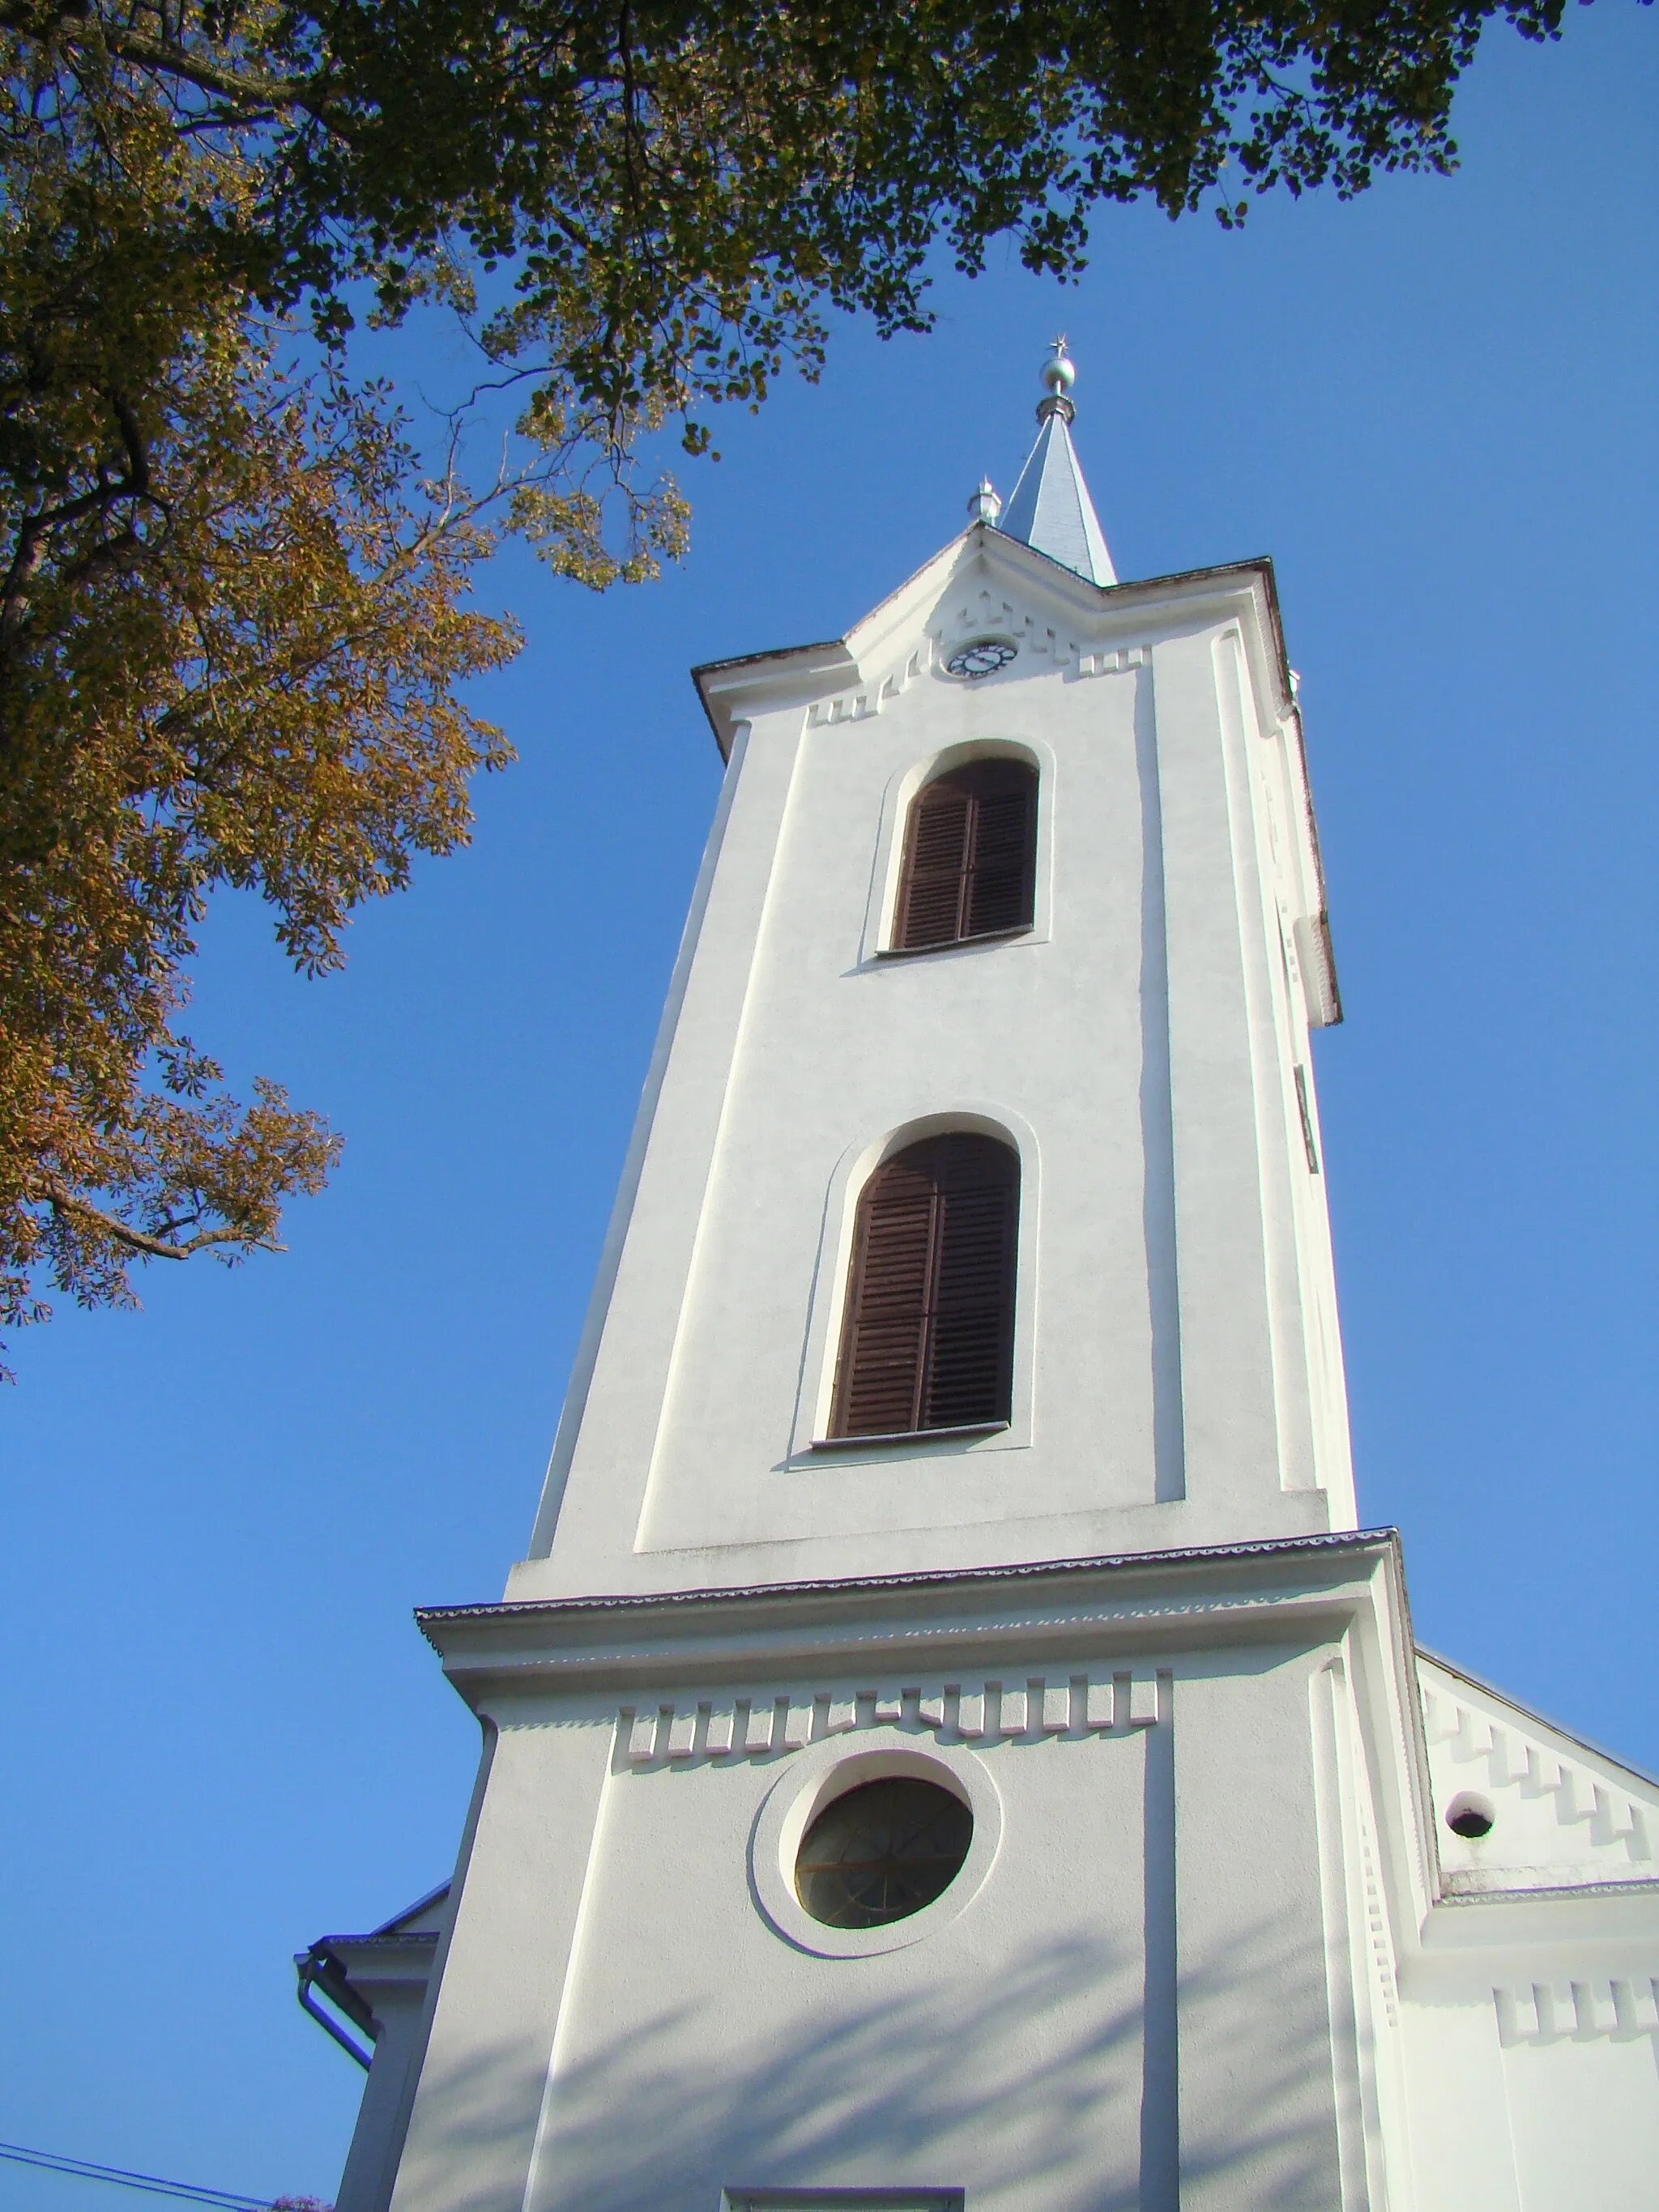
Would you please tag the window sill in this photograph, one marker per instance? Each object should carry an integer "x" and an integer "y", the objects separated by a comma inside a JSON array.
[
  {"x": 908, "y": 1437},
  {"x": 954, "y": 944}
]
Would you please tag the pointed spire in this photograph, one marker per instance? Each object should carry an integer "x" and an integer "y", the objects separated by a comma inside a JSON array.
[{"x": 1051, "y": 508}]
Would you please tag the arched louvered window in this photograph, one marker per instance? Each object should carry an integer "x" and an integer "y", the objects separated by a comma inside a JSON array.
[
  {"x": 970, "y": 856},
  {"x": 928, "y": 1337}
]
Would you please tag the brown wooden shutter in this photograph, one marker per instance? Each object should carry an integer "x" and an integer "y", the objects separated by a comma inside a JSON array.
[
  {"x": 970, "y": 856},
  {"x": 885, "y": 1339},
  {"x": 969, "y": 1369},
  {"x": 935, "y": 866},
  {"x": 1001, "y": 867},
  {"x": 927, "y": 1341}
]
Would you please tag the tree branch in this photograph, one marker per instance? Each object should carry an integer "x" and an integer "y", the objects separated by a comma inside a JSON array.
[
  {"x": 35, "y": 530},
  {"x": 264, "y": 93},
  {"x": 152, "y": 1247}
]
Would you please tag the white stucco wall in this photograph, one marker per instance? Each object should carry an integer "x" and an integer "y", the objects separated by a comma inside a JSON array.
[
  {"x": 1178, "y": 1372},
  {"x": 1532, "y": 2009},
  {"x": 1216, "y": 1948},
  {"x": 1054, "y": 2045},
  {"x": 1203, "y": 1953},
  {"x": 1518, "y": 2116}
]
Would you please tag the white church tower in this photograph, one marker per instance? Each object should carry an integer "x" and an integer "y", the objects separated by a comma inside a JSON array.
[{"x": 950, "y": 1744}]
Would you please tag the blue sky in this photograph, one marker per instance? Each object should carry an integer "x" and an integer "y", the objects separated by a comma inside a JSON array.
[{"x": 1436, "y": 409}]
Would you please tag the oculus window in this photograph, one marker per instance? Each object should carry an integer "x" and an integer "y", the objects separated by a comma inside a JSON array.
[{"x": 882, "y": 1852}]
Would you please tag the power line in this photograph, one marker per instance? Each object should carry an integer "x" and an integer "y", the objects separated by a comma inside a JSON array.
[{"x": 222, "y": 2200}]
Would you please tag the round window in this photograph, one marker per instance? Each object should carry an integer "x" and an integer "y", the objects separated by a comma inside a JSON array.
[
  {"x": 881, "y": 1852},
  {"x": 982, "y": 658}
]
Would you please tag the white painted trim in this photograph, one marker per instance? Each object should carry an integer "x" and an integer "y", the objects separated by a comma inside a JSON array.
[
  {"x": 828, "y": 1296},
  {"x": 880, "y": 911},
  {"x": 828, "y": 1770}
]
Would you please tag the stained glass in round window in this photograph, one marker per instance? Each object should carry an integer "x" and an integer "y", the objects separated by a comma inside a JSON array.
[
  {"x": 982, "y": 658},
  {"x": 882, "y": 1852}
]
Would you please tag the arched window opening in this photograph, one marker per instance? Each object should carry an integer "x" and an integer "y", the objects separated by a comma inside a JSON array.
[
  {"x": 928, "y": 1337},
  {"x": 970, "y": 856}
]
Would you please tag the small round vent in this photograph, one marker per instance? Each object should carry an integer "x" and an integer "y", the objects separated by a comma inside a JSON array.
[
  {"x": 983, "y": 657},
  {"x": 1471, "y": 1815}
]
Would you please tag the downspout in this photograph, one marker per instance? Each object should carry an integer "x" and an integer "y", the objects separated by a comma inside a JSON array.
[{"x": 319, "y": 1965}]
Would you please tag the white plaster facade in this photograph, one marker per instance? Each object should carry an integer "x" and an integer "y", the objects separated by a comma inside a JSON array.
[{"x": 1214, "y": 1944}]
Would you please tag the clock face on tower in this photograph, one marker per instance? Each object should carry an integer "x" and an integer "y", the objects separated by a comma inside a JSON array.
[{"x": 982, "y": 658}]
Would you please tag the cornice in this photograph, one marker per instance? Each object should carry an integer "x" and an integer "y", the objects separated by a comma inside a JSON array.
[
  {"x": 1458, "y": 1889},
  {"x": 799, "y": 675},
  {"x": 1596, "y": 1921},
  {"x": 1258, "y": 1592},
  {"x": 774, "y": 678}
]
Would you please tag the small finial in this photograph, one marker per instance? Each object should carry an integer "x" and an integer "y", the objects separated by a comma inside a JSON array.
[
  {"x": 983, "y": 505},
  {"x": 1058, "y": 375}
]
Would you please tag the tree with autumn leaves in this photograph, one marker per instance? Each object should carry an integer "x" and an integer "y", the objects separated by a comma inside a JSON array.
[{"x": 235, "y": 596}]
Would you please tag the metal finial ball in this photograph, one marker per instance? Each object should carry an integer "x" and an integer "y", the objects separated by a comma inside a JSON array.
[{"x": 1059, "y": 373}]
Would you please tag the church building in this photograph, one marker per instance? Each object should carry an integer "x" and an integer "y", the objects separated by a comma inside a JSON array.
[{"x": 950, "y": 1746}]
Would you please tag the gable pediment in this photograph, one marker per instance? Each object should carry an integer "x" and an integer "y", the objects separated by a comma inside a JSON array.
[
  {"x": 1563, "y": 1815},
  {"x": 984, "y": 584},
  {"x": 996, "y": 590}
]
